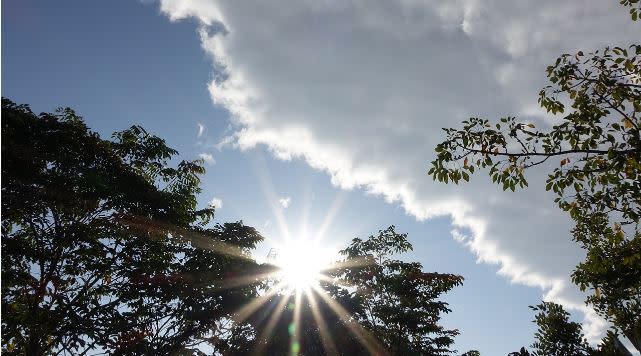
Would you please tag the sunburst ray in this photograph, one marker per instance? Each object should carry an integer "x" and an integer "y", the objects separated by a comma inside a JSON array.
[
  {"x": 326, "y": 337},
  {"x": 363, "y": 336}
]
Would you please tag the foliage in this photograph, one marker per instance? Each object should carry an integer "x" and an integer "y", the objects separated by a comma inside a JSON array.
[
  {"x": 103, "y": 247},
  {"x": 398, "y": 303},
  {"x": 635, "y": 8},
  {"x": 612, "y": 268},
  {"x": 104, "y": 250},
  {"x": 304, "y": 324},
  {"x": 557, "y": 335},
  {"x": 521, "y": 352},
  {"x": 611, "y": 346},
  {"x": 598, "y": 143},
  {"x": 596, "y": 147}
]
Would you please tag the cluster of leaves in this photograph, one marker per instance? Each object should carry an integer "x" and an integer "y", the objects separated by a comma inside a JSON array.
[
  {"x": 102, "y": 245},
  {"x": 597, "y": 145},
  {"x": 635, "y": 8}
]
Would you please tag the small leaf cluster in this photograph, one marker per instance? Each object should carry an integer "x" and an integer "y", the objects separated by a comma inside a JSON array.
[
  {"x": 480, "y": 145},
  {"x": 635, "y": 8}
]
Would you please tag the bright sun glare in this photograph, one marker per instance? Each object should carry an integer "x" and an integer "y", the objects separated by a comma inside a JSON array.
[{"x": 301, "y": 264}]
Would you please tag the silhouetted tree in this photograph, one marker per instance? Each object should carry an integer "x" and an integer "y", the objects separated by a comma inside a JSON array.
[
  {"x": 103, "y": 248},
  {"x": 291, "y": 323},
  {"x": 370, "y": 304},
  {"x": 557, "y": 335},
  {"x": 397, "y": 303},
  {"x": 521, "y": 352}
]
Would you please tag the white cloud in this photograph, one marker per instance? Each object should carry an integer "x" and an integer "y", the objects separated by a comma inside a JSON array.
[
  {"x": 217, "y": 203},
  {"x": 201, "y": 130},
  {"x": 284, "y": 202},
  {"x": 226, "y": 141},
  {"x": 361, "y": 89},
  {"x": 207, "y": 157}
]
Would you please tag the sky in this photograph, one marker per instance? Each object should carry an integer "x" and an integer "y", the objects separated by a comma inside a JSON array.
[{"x": 323, "y": 116}]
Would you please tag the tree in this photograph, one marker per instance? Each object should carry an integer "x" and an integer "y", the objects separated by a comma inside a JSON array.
[
  {"x": 103, "y": 248},
  {"x": 597, "y": 178},
  {"x": 597, "y": 144},
  {"x": 612, "y": 267},
  {"x": 306, "y": 324},
  {"x": 397, "y": 303},
  {"x": 521, "y": 352},
  {"x": 370, "y": 304},
  {"x": 105, "y": 251},
  {"x": 557, "y": 335}
]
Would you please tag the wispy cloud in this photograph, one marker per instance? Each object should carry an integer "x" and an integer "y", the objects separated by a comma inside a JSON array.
[
  {"x": 207, "y": 157},
  {"x": 226, "y": 141},
  {"x": 284, "y": 202},
  {"x": 201, "y": 130}
]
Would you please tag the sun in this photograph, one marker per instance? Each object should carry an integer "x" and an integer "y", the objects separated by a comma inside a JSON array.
[{"x": 301, "y": 264}]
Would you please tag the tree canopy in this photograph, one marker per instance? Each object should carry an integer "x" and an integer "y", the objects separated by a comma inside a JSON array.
[{"x": 103, "y": 247}]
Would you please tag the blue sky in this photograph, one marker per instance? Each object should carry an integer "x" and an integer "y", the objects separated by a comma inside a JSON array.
[{"x": 313, "y": 115}]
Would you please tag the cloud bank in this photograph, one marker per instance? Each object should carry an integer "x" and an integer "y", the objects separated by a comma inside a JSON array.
[{"x": 361, "y": 89}]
